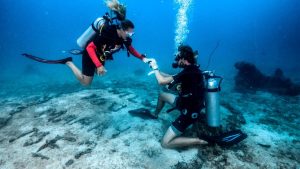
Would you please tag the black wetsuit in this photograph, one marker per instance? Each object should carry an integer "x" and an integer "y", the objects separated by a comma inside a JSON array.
[
  {"x": 110, "y": 39},
  {"x": 191, "y": 96}
]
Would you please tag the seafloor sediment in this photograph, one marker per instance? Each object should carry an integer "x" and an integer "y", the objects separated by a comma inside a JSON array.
[{"x": 64, "y": 126}]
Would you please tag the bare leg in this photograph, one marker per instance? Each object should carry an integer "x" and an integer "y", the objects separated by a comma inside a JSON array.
[
  {"x": 171, "y": 140},
  {"x": 83, "y": 79},
  {"x": 162, "y": 100}
]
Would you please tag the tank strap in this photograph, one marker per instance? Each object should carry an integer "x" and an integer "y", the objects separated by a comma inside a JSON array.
[{"x": 94, "y": 28}]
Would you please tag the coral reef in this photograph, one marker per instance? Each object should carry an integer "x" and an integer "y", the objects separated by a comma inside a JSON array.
[{"x": 249, "y": 78}]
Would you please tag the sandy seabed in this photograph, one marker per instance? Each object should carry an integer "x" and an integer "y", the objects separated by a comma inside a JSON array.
[{"x": 91, "y": 128}]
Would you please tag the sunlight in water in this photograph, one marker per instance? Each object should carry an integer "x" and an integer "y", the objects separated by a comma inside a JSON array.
[{"x": 182, "y": 30}]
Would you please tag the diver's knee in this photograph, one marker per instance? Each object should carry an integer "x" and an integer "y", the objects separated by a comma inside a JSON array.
[
  {"x": 86, "y": 84},
  {"x": 162, "y": 95},
  {"x": 86, "y": 81}
]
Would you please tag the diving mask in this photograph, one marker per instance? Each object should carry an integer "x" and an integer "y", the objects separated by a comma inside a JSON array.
[
  {"x": 129, "y": 34},
  {"x": 177, "y": 58}
]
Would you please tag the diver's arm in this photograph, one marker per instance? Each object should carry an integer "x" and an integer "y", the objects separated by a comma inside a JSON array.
[
  {"x": 135, "y": 52},
  {"x": 165, "y": 74},
  {"x": 162, "y": 80},
  {"x": 91, "y": 49}
]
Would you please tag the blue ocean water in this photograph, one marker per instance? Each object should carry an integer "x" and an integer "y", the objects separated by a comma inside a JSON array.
[
  {"x": 263, "y": 32},
  {"x": 41, "y": 102}
]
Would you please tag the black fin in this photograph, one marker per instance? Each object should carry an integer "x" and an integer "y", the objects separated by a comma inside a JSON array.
[
  {"x": 230, "y": 138},
  {"x": 226, "y": 139},
  {"x": 38, "y": 59}
]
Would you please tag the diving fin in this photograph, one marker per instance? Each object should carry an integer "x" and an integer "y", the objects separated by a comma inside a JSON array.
[
  {"x": 61, "y": 61},
  {"x": 226, "y": 139},
  {"x": 142, "y": 113}
]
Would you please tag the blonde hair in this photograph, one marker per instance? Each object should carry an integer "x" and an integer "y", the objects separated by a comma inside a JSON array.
[{"x": 117, "y": 7}]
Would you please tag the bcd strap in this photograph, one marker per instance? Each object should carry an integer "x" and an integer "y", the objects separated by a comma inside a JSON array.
[
  {"x": 171, "y": 109},
  {"x": 95, "y": 29}
]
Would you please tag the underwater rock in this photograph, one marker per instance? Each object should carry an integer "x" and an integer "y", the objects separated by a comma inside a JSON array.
[
  {"x": 69, "y": 118},
  {"x": 119, "y": 131},
  {"x": 40, "y": 156},
  {"x": 23, "y": 134},
  {"x": 250, "y": 79},
  {"x": 48, "y": 111},
  {"x": 99, "y": 128},
  {"x": 114, "y": 90},
  {"x": 69, "y": 162},
  {"x": 5, "y": 117},
  {"x": 17, "y": 110},
  {"x": 4, "y": 121},
  {"x": 36, "y": 138},
  {"x": 40, "y": 100},
  {"x": 98, "y": 101},
  {"x": 264, "y": 145},
  {"x": 124, "y": 94},
  {"x": 92, "y": 96},
  {"x": 70, "y": 139},
  {"x": 50, "y": 143},
  {"x": 56, "y": 116},
  {"x": 85, "y": 121},
  {"x": 2, "y": 162},
  {"x": 132, "y": 99},
  {"x": 115, "y": 107},
  {"x": 90, "y": 146}
]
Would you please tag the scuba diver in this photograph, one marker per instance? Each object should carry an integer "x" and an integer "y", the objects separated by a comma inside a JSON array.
[
  {"x": 102, "y": 48},
  {"x": 106, "y": 36},
  {"x": 190, "y": 100}
]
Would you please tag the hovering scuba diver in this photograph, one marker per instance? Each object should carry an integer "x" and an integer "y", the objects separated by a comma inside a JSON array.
[
  {"x": 106, "y": 36},
  {"x": 189, "y": 83}
]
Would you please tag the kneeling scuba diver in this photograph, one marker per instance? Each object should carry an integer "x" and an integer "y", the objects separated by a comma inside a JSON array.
[{"x": 194, "y": 88}]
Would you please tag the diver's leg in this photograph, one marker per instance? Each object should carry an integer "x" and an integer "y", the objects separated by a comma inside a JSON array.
[
  {"x": 162, "y": 100},
  {"x": 171, "y": 140},
  {"x": 83, "y": 79}
]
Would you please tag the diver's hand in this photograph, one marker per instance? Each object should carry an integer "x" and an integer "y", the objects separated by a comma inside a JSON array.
[
  {"x": 101, "y": 70},
  {"x": 153, "y": 64},
  {"x": 146, "y": 60}
]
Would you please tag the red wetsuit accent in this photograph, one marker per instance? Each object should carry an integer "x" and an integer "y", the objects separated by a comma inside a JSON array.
[
  {"x": 135, "y": 53},
  {"x": 91, "y": 49}
]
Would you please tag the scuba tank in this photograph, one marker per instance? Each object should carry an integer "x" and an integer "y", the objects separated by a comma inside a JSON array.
[
  {"x": 212, "y": 98},
  {"x": 92, "y": 30}
]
